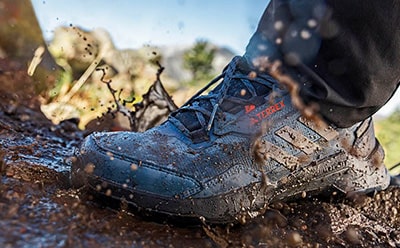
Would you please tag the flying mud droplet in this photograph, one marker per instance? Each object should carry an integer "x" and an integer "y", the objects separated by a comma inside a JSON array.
[
  {"x": 134, "y": 167},
  {"x": 294, "y": 239},
  {"x": 89, "y": 168},
  {"x": 252, "y": 74},
  {"x": 305, "y": 34},
  {"x": 278, "y": 25},
  {"x": 312, "y": 23},
  {"x": 109, "y": 154}
]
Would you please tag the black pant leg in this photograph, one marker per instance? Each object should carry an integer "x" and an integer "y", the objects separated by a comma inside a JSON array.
[{"x": 344, "y": 53}]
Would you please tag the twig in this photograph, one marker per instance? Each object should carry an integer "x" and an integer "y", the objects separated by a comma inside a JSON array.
[
  {"x": 120, "y": 107},
  {"x": 82, "y": 79},
  {"x": 37, "y": 58}
]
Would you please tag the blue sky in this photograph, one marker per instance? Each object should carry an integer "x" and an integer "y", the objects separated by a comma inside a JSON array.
[
  {"x": 157, "y": 22},
  {"x": 134, "y": 23}
]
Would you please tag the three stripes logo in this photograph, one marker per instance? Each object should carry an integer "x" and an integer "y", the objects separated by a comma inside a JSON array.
[{"x": 297, "y": 139}]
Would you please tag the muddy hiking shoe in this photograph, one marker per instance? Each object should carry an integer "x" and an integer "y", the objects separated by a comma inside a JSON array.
[{"x": 224, "y": 156}]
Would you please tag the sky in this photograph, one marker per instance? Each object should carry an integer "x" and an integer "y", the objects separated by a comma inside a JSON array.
[{"x": 135, "y": 23}]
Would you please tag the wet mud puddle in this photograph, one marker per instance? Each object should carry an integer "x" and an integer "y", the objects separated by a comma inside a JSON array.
[{"x": 38, "y": 208}]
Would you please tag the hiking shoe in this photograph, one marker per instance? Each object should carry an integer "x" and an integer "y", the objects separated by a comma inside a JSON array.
[{"x": 224, "y": 156}]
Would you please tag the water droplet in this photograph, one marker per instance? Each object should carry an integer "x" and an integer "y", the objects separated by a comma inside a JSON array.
[
  {"x": 278, "y": 25},
  {"x": 305, "y": 34},
  {"x": 312, "y": 23}
]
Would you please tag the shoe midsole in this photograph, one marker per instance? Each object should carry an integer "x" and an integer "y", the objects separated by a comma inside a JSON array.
[{"x": 340, "y": 171}]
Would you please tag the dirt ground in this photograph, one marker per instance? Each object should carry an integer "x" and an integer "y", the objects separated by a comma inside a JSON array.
[{"x": 38, "y": 207}]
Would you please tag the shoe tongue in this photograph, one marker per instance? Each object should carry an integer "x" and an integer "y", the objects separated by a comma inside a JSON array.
[
  {"x": 240, "y": 91},
  {"x": 189, "y": 118},
  {"x": 237, "y": 90}
]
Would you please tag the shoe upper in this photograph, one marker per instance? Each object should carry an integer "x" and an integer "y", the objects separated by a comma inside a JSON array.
[
  {"x": 205, "y": 142},
  {"x": 244, "y": 132}
]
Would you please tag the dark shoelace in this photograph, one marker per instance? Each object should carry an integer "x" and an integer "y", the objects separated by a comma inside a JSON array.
[{"x": 237, "y": 88}]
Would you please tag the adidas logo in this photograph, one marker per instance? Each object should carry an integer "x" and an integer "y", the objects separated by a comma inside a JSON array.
[{"x": 249, "y": 108}]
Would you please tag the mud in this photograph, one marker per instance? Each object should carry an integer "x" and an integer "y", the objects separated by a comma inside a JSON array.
[{"x": 39, "y": 208}]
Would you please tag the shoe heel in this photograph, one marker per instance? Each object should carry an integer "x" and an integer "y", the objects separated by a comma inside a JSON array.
[{"x": 365, "y": 175}]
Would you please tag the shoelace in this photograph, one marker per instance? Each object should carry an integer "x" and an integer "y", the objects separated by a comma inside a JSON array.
[{"x": 196, "y": 103}]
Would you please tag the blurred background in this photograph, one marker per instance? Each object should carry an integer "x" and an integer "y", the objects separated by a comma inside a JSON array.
[
  {"x": 132, "y": 24},
  {"x": 193, "y": 40},
  {"x": 176, "y": 24}
]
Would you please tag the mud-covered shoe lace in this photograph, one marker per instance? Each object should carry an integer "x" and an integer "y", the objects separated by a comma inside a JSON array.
[
  {"x": 239, "y": 88},
  {"x": 223, "y": 157}
]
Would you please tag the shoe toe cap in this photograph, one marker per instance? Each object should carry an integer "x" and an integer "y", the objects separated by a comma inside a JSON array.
[{"x": 111, "y": 164}]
